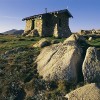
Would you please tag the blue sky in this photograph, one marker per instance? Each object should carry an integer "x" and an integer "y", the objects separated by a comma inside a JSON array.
[{"x": 86, "y": 13}]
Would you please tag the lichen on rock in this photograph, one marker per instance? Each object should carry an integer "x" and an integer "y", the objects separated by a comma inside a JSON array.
[
  {"x": 60, "y": 62},
  {"x": 91, "y": 65}
]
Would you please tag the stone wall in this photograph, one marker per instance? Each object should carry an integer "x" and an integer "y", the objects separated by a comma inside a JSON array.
[
  {"x": 49, "y": 25},
  {"x": 38, "y": 25},
  {"x": 34, "y": 24},
  {"x": 53, "y": 28},
  {"x": 63, "y": 30},
  {"x": 28, "y": 25}
]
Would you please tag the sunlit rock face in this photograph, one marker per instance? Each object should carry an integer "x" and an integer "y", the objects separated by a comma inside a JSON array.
[
  {"x": 87, "y": 92},
  {"x": 60, "y": 61},
  {"x": 91, "y": 65}
]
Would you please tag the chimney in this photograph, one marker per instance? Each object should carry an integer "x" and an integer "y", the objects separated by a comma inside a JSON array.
[{"x": 45, "y": 10}]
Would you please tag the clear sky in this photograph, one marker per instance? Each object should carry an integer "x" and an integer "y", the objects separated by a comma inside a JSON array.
[{"x": 86, "y": 13}]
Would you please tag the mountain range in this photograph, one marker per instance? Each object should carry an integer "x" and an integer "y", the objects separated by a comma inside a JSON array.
[{"x": 14, "y": 32}]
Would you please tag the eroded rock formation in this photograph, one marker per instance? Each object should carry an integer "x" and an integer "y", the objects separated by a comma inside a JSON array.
[
  {"x": 60, "y": 61},
  {"x": 91, "y": 65}
]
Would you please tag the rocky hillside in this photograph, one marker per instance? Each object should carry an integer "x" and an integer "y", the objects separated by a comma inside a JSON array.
[{"x": 49, "y": 69}]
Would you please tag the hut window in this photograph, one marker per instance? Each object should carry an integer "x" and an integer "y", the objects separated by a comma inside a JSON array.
[{"x": 59, "y": 22}]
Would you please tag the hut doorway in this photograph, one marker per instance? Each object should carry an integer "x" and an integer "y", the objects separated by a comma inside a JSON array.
[{"x": 32, "y": 25}]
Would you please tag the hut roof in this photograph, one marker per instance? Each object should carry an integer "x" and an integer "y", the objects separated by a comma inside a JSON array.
[{"x": 40, "y": 15}]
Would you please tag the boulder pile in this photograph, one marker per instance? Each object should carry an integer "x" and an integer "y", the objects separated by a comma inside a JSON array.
[{"x": 65, "y": 61}]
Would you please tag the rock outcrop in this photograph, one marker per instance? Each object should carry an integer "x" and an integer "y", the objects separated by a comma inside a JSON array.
[
  {"x": 42, "y": 43},
  {"x": 87, "y": 92},
  {"x": 31, "y": 33},
  {"x": 60, "y": 61},
  {"x": 91, "y": 65},
  {"x": 90, "y": 38},
  {"x": 25, "y": 33}
]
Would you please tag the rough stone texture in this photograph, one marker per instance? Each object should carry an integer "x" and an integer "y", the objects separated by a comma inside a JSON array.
[
  {"x": 91, "y": 65},
  {"x": 28, "y": 25},
  {"x": 85, "y": 32},
  {"x": 93, "y": 31},
  {"x": 33, "y": 25},
  {"x": 73, "y": 37},
  {"x": 53, "y": 28},
  {"x": 38, "y": 25},
  {"x": 89, "y": 32},
  {"x": 60, "y": 61},
  {"x": 87, "y": 92},
  {"x": 26, "y": 33},
  {"x": 32, "y": 33},
  {"x": 57, "y": 25},
  {"x": 98, "y": 31},
  {"x": 42, "y": 43}
]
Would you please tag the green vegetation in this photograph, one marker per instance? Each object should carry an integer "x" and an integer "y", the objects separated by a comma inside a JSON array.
[
  {"x": 95, "y": 42},
  {"x": 8, "y": 42},
  {"x": 18, "y": 72}
]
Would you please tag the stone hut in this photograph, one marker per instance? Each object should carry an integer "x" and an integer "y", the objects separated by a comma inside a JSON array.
[{"x": 49, "y": 24}]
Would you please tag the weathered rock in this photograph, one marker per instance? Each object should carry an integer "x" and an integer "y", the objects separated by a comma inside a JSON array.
[
  {"x": 91, "y": 65},
  {"x": 85, "y": 32},
  {"x": 54, "y": 42},
  {"x": 98, "y": 31},
  {"x": 59, "y": 61},
  {"x": 93, "y": 31},
  {"x": 31, "y": 33},
  {"x": 26, "y": 33},
  {"x": 87, "y": 92},
  {"x": 34, "y": 32},
  {"x": 75, "y": 38},
  {"x": 90, "y": 38},
  {"x": 42, "y": 43}
]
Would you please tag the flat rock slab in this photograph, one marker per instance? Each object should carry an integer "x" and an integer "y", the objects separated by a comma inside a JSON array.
[{"x": 87, "y": 92}]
